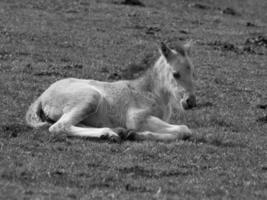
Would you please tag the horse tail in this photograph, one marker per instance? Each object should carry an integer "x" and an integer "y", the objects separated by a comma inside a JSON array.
[{"x": 34, "y": 116}]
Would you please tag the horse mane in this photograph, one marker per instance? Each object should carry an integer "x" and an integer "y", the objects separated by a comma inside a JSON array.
[{"x": 139, "y": 69}]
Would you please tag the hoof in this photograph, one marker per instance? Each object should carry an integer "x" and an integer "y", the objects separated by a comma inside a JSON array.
[
  {"x": 185, "y": 129},
  {"x": 114, "y": 139},
  {"x": 122, "y": 132},
  {"x": 187, "y": 134},
  {"x": 104, "y": 137},
  {"x": 184, "y": 133},
  {"x": 131, "y": 135},
  {"x": 187, "y": 137}
]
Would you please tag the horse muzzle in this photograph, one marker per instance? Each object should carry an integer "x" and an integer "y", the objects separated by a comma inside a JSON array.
[{"x": 189, "y": 102}]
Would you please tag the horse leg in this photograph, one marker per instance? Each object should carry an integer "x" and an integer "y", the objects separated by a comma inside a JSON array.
[
  {"x": 157, "y": 125},
  {"x": 149, "y": 135},
  {"x": 67, "y": 123},
  {"x": 147, "y": 127}
]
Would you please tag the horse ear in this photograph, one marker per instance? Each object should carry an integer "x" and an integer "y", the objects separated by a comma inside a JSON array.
[
  {"x": 165, "y": 51},
  {"x": 188, "y": 46}
]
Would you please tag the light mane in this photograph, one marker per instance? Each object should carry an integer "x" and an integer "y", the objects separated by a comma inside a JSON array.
[{"x": 159, "y": 81}]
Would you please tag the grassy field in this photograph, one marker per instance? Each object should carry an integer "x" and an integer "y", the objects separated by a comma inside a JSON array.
[{"x": 42, "y": 41}]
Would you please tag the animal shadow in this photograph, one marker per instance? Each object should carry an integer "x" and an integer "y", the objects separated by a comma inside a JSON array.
[{"x": 13, "y": 130}]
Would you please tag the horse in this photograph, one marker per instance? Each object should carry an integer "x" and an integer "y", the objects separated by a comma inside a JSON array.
[{"x": 142, "y": 106}]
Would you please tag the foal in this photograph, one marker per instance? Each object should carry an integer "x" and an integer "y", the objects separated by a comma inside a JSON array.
[{"x": 92, "y": 108}]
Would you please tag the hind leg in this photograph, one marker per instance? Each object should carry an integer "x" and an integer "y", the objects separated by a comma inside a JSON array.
[
  {"x": 65, "y": 125},
  {"x": 68, "y": 121}
]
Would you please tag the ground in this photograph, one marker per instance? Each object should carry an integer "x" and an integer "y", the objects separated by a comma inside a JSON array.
[{"x": 42, "y": 41}]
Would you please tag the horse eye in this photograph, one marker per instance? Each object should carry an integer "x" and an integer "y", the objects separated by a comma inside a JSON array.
[{"x": 176, "y": 75}]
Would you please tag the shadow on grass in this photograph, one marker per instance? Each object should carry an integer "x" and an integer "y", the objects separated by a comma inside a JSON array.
[
  {"x": 215, "y": 140},
  {"x": 13, "y": 130},
  {"x": 56, "y": 177},
  {"x": 262, "y": 119},
  {"x": 16, "y": 130},
  {"x": 139, "y": 171},
  {"x": 204, "y": 105}
]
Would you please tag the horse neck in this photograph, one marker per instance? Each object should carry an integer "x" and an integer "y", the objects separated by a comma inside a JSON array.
[{"x": 156, "y": 80}]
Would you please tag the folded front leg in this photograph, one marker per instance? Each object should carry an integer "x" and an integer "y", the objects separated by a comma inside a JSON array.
[
  {"x": 148, "y": 135},
  {"x": 157, "y": 125}
]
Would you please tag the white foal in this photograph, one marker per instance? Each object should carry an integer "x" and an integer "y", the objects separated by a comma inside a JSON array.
[{"x": 92, "y": 108}]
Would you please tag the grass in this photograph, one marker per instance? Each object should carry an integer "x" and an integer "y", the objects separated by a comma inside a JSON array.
[{"x": 44, "y": 41}]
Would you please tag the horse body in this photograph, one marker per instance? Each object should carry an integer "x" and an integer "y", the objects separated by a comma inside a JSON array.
[
  {"x": 94, "y": 108},
  {"x": 112, "y": 102}
]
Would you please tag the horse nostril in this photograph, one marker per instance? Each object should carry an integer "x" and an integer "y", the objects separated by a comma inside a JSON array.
[
  {"x": 191, "y": 102},
  {"x": 188, "y": 103}
]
